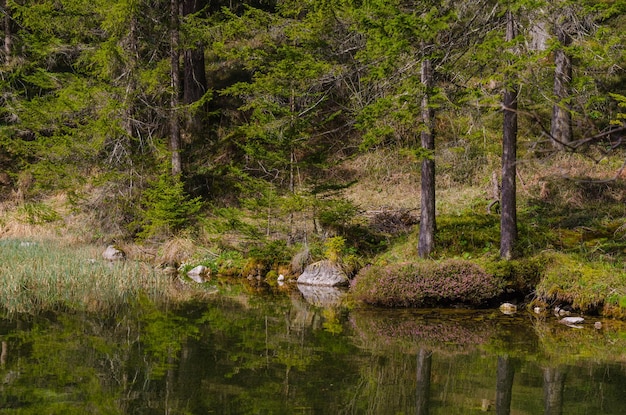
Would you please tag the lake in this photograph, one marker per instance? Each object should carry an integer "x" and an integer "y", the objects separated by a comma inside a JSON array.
[{"x": 245, "y": 351}]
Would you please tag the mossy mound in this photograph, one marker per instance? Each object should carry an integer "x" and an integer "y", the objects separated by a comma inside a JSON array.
[{"x": 424, "y": 284}]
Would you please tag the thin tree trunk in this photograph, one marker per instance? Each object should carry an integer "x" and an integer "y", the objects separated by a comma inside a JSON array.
[
  {"x": 508, "y": 218},
  {"x": 427, "y": 215},
  {"x": 561, "y": 126},
  {"x": 175, "y": 80},
  {"x": 194, "y": 72},
  {"x": 7, "y": 31},
  {"x": 131, "y": 85}
]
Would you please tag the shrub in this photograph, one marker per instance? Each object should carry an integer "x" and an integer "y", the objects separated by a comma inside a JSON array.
[
  {"x": 167, "y": 208},
  {"x": 423, "y": 284}
]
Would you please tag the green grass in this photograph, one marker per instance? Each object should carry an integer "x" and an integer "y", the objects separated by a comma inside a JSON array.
[{"x": 45, "y": 275}]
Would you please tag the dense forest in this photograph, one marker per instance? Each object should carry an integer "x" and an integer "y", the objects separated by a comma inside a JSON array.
[{"x": 255, "y": 126}]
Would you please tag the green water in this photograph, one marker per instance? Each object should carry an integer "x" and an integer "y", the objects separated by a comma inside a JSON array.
[{"x": 279, "y": 354}]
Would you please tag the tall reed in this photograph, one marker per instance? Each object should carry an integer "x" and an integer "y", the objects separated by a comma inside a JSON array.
[{"x": 43, "y": 275}]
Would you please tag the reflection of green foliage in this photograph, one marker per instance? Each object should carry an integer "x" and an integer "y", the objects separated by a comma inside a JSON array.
[
  {"x": 163, "y": 334},
  {"x": 563, "y": 344},
  {"x": 61, "y": 373}
]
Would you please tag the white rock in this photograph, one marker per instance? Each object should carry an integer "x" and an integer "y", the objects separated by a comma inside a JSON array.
[
  {"x": 113, "y": 254},
  {"x": 198, "y": 273},
  {"x": 571, "y": 320}
]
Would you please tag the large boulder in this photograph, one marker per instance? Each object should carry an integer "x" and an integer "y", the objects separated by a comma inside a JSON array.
[
  {"x": 112, "y": 253},
  {"x": 324, "y": 273}
]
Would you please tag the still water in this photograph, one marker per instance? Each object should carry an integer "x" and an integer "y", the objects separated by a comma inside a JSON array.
[{"x": 286, "y": 353}]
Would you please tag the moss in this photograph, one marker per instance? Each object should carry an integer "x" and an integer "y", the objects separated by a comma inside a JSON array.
[
  {"x": 426, "y": 283},
  {"x": 588, "y": 286}
]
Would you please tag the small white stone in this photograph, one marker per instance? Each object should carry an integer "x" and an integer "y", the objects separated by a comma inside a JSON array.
[
  {"x": 508, "y": 308},
  {"x": 572, "y": 320}
]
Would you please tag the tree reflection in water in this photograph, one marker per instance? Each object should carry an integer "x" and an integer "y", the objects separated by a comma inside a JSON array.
[{"x": 278, "y": 354}]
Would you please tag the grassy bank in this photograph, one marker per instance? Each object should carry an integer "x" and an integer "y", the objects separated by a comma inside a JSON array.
[
  {"x": 571, "y": 248},
  {"x": 42, "y": 275}
]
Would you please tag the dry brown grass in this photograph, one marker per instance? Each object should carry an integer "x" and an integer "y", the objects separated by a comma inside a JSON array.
[{"x": 385, "y": 178}]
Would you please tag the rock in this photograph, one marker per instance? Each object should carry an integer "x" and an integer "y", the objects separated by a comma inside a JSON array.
[
  {"x": 198, "y": 273},
  {"x": 572, "y": 321},
  {"x": 597, "y": 325},
  {"x": 324, "y": 273},
  {"x": 508, "y": 308},
  {"x": 113, "y": 253}
]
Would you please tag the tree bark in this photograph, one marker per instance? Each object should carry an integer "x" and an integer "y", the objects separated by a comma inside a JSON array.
[
  {"x": 194, "y": 78},
  {"x": 561, "y": 125},
  {"x": 175, "y": 88},
  {"x": 508, "y": 203},
  {"x": 427, "y": 215},
  {"x": 6, "y": 18}
]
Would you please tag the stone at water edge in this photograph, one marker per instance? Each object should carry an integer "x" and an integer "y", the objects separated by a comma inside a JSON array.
[
  {"x": 508, "y": 308},
  {"x": 572, "y": 321},
  {"x": 113, "y": 254},
  {"x": 198, "y": 273},
  {"x": 324, "y": 273}
]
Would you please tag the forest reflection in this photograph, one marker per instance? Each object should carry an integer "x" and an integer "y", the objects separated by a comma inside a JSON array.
[{"x": 279, "y": 354}]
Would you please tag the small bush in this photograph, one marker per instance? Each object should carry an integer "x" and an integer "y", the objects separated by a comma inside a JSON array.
[
  {"x": 167, "y": 209},
  {"x": 424, "y": 284}
]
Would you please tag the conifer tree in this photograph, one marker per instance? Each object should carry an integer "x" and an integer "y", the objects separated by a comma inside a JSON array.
[{"x": 508, "y": 218}]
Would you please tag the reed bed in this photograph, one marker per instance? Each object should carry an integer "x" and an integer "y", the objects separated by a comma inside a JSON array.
[{"x": 46, "y": 275}]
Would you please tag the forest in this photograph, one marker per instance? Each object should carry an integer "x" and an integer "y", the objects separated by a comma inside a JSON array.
[{"x": 258, "y": 136}]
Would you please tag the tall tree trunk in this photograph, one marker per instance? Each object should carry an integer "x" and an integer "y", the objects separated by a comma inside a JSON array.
[
  {"x": 561, "y": 126},
  {"x": 508, "y": 218},
  {"x": 6, "y": 19},
  {"x": 194, "y": 72},
  {"x": 424, "y": 363},
  {"x": 131, "y": 86},
  {"x": 175, "y": 88},
  {"x": 427, "y": 215},
  {"x": 504, "y": 385}
]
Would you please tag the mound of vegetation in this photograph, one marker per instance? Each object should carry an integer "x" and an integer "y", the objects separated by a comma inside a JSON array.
[{"x": 422, "y": 284}]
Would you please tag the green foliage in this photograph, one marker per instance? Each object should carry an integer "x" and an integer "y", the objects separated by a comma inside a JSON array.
[
  {"x": 37, "y": 213},
  {"x": 336, "y": 213},
  {"x": 335, "y": 246},
  {"x": 167, "y": 209}
]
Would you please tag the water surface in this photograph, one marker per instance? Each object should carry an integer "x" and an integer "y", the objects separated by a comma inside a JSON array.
[{"x": 249, "y": 353}]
